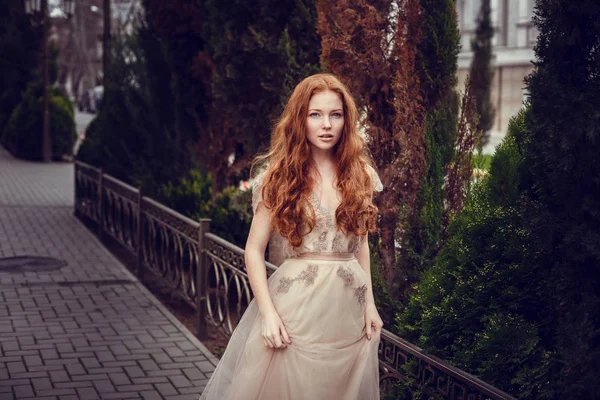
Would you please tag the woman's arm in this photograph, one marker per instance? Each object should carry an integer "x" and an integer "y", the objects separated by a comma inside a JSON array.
[
  {"x": 372, "y": 318},
  {"x": 274, "y": 333},
  {"x": 364, "y": 259},
  {"x": 258, "y": 238}
]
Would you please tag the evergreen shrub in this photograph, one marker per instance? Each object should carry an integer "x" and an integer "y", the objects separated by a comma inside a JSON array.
[
  {"x": 20, "y": 44},
  {"x": 24, "y": 132},
  {"x": 484, "y": 305},
  {"x": 562, "y": 152},
  {"x": 192, "y": 196},
  {"x": 436, "y": 65},
  {"x": 133, "y": 137}
]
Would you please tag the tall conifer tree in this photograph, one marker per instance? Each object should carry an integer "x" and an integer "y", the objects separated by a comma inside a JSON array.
[
  {"x": 399, "y": 59},
  {"x": 513, "y": 295},
  {"x": 481, "y": 72},
  {"x": 436, "y": 64},
  {"x": 562, "y": 155},
  {"x": 372, "y": 46},
  {"x": 20, "y": 46},
  {"x": 155, "y": 108},
  {"x": 256, "y": 54}
]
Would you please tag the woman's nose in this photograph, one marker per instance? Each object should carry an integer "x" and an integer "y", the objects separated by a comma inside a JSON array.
[{"x": 326, "y": 123}]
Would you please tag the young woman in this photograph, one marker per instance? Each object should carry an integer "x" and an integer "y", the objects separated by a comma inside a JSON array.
[{"x": 312, "y": 330}]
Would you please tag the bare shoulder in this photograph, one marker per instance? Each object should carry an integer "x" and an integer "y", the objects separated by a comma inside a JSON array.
[{"x": 375, "y": 181}]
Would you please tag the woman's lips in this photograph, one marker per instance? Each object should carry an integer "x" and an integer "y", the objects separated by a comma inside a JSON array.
[{"x": 326, "y": 138}]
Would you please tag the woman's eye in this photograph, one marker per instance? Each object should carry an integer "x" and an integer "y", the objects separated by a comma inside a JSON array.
[
  {"x": 336, "y": 115},
  {"x": 313, "y": 115}
]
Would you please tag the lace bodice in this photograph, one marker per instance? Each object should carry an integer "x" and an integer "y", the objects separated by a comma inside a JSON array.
[{"x": 325, "y": 237}]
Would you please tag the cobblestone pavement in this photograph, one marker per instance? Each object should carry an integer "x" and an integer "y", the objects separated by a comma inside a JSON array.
[{"x": 89, "y": 330}]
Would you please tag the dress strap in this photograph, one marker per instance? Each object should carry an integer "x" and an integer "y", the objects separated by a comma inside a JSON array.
[{"x": 326, "y": 256}]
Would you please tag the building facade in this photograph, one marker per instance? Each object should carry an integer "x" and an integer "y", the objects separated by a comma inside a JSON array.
[
  {"x": 80, "y": 40},
  {"x": 513, "y": 42}
]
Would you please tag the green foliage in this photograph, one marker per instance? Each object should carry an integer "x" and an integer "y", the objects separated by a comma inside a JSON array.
[
  {"x": 178, "y": 92},
  {"x": 192, "y": 196},
  {"x": 171, "y": 101},
  {"x": 482, "y": 161},
  {"x": 438, "y": 50},
  {"x": 259, "y": 51},
  {"x": 20, "y": 46},
  {"x": 189, "y": 196},
  {"x": 398, "y": 391},
  {"x": 407, "y": 389},
  {"x": 230, "y": 219},
  {"x": 133, "y": 137},
  {"x": 24, "y": 133},
  {"x": 513, "y": 295},
  {"x": 484, "y": 306},
  {"x": 481, "y": 72},
  {"x": 387, "y": 305},
  {"x": 168, "y": 95},
  {"x": 436, "y": 65},
  {"x": 507, "y": 164},
  {"x": 562, "y": 165}
]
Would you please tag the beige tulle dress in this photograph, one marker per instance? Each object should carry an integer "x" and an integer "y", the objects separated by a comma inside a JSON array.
[{"x": 319, "y": 293}]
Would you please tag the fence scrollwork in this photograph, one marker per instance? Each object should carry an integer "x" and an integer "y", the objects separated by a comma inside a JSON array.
[
  {"x": 120, "y": 211},
  {"x": 87, "y": 187},
  {"x": 170, "y": 248},
  {"x": 209, "y": 273},
  {"x": 228, "y": 290}
]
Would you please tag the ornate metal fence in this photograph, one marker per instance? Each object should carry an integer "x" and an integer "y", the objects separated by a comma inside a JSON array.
[{"x": 209, "y": 273}]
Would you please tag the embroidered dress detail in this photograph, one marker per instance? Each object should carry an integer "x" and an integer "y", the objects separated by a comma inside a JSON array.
[
  {"x": 284, "y": 285},
  {"x": 307, "y": 276},
  {"x": 346, "y": 275},
  {"x": 354, "y": 244},
  {"x": 337, "y": 244},
  {"x": 323, "y": 311},
  {"x": 314, "y": 201},
  {"x": 359, "y": 293},
  {"x": 321, "y": 242}
]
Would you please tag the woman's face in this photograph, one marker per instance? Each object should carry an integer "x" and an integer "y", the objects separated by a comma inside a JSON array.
[{"x": 325, "y": 121}]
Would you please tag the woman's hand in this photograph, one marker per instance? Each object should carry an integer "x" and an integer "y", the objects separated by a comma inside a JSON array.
[
  {"x": 273, "y": 331},
  {"x": 373, "y": 322}
]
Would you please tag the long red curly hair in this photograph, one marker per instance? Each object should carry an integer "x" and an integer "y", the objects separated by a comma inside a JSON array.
[{"x": 287, "y": 183}]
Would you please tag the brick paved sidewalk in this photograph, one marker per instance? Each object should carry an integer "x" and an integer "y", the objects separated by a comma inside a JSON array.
[{"x": 89, "y": 330}]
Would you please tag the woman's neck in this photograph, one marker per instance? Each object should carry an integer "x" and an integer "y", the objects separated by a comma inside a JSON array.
[
  {"x": 324, "y": 168},
  {"x": 322, "y": 160}
]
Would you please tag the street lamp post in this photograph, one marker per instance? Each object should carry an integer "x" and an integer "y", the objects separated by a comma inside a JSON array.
[
  {"x": 105, "y": 37},
  {"x": 106, "y": 40},
  {"x": 38, "y": 10}
]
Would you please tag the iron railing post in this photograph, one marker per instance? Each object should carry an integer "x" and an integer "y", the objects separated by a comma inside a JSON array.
[
  {"x": 201, "y": 272},
  {"x": 140, "y": 235},
  {"x": 227, "y": 259},
  {"x": 100, "y": 205},
  {"x": 75, "y": 190}
]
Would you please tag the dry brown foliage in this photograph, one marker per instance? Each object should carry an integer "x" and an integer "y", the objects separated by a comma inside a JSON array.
[
  {"x": 371, "y": 45},
  {"x": 460, "y": 171}
]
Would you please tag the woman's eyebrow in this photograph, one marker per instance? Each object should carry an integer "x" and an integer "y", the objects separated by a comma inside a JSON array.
[{"x": 316, "y": 109}]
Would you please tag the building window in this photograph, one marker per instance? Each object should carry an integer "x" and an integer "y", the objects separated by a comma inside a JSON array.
[
  {"x": 475, "y": 6},
  {"x": 532, "y": 34},
  {"x": 495, "y": 14},
  {"x": 468, "y": 8},
  {"x": 460, "y": 10},
  {"x": 525, "y": 10}
]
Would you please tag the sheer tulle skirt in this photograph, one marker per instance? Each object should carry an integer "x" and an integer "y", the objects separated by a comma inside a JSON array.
[{"x": 321, "y": 304}]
